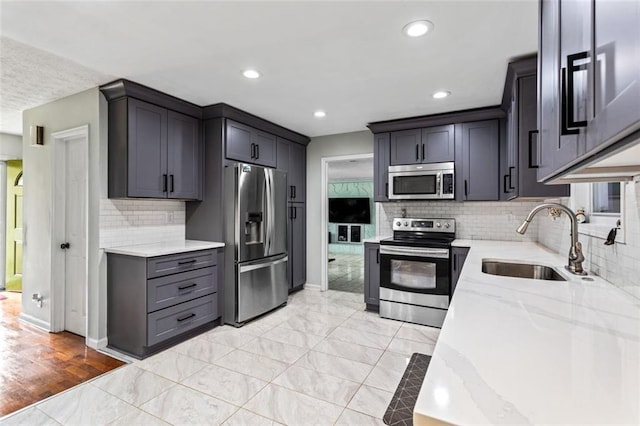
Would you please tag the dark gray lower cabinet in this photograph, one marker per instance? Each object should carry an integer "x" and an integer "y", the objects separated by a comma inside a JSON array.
[
  {"x": 458, "y": 257},
  {"x": 372, "y": 276},
  {"x": 479, "y": 156},
  {"x": 297, "y": 245},
  {"x": 156, "y": 302}
]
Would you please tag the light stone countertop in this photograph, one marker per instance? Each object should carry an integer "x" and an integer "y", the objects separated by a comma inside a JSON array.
[
  {"x": 523, "y": 351},
  {"x": 164, "y": 248},
  {"x": 376, "y": 239}
]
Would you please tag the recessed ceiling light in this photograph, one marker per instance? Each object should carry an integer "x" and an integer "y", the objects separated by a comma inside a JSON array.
[
  {"x": 417, "y": 28},
  {"x": 251, "y": 74},
  {"x": 441, "y": 94},
  {"x": 319, "y": 114}
]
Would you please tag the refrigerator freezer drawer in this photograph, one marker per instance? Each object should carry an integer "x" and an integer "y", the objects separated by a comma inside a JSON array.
[{"x": 261, "y": 288}]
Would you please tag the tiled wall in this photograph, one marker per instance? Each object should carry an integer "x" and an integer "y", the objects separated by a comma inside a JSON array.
[
  {"x": 129, "y": 222},
  {"x": 617, "y": 263},
  {"x": 474, "y": 220}
]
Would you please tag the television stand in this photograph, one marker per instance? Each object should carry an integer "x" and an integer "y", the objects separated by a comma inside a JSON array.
[{"x": 349, "y": 233}]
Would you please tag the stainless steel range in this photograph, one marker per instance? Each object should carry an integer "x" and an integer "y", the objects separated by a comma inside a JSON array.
[{"x": 415, "y": 271}]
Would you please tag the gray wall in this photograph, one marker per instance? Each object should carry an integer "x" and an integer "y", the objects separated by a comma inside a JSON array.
[
  {"x": 10, "y": 147},
  {"x": 318, "y": 148},
  {"x": 73, "y": 111}
]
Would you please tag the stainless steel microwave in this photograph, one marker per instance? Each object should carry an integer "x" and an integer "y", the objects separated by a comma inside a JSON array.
[{"x": 434, "y": 181}]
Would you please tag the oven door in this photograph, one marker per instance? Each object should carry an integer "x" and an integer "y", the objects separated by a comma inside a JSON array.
[
  {"x": 416, "y": 275},
  {"x": 415, "y": 186}
]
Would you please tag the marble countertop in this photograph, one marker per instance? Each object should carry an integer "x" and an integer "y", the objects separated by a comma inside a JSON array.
[
  {"x": 524, "y": 351},
  {"x": 376, "y": 239},
  {"x": 164, "y": 248}
]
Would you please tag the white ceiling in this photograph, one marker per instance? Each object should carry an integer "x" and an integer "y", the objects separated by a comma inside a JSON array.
[
  {"x": 359, "y": 169},
  {"x": 348, "y": 58}
]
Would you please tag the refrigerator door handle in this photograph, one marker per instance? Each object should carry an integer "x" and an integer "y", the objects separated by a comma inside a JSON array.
[{"x": 263, "y": 264}]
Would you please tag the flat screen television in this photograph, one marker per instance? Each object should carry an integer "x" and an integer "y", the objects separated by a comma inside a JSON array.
[{"x": 349, "y": 210}]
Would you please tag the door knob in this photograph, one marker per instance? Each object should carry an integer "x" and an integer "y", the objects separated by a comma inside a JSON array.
[{"x": 65, "y": 246}]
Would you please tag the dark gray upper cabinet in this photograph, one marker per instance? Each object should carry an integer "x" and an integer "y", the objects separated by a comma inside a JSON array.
[
  {"x": 372, "y": 275},
  {"x": 185, "y": 157},
  {"x": 429, "y": 145},
  {"x": 247, "y": 144},
  {"x": 589, "y": 79},
  {"x": 519, "y": 176},
  {"x": 480, "y": 150},
  {"x": 297, "y": 245},
  {"x": 153, "y": 152},
  {"x": 381, "y": 151},
  {"x": 292, "y": 158}
]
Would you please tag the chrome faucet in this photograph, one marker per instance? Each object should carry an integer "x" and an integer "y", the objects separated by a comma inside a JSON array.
[{"x": 575, "y": 252}]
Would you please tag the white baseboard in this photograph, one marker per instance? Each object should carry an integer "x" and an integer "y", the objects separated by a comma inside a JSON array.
[
  {"x": 312, "y": 286},
  {"x": 97, "y": 343},
  {"x": 35, "y": 322}
]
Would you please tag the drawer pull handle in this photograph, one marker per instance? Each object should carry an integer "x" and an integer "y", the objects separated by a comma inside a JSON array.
[
  {"x": 187, "y": 262},
  {"x": 186, "y": 317},
  {"x": 184, "y": 287}
]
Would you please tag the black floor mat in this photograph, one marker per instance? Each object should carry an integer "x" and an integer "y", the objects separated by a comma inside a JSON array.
[{"x": 400, "y": 410}]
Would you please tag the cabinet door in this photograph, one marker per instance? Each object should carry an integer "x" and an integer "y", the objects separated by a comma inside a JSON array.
[
  {"x": 265, "y": 148},
  {"x": 239, "y": 144},
  {"x": 616, "y": 70},
  {"x": 480, "y": 157},
  {"x": 147, "y": 150},
  {"x": 510, "y": 182},
  {"x": 297, "y": 244},
  {"x": 459, "y": 256},
  {"x": 381, "y": 152},
  {"x": 372, "y": 274},
  {"x": 297, "y": 173},
  {"x": 406, "y": 147},
  {"x": 184, "y": 157},
  {"x": 437, "y": 144},
  {"x": 283, "y": 155}
]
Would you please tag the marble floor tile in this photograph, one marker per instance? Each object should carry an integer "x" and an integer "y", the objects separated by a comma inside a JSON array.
[
  {"x": 133, "y": 384},
  {"x": 312, "y": 326},
  {"x": 253, "y": 365},
  {"x": 293, "y": 408},
  {"x": 138, "y": 418},
  {"x": 225, "y": 384},
  {"x": 419, "y": 333},
  {"x": 371, "y": 325},
  {"x": 318, "y": 385},
  {"x": 408, "y": 347},
  {"x": 243, "y": 417},
  {"x": 371, "y": 401},
  {"x": 384, "y": 378},
  {"x": 203, "y": 349},
  {"x": 83, "y": 405},
  {"x": 292, "y": 337},
  {"x": 349, "y": 350},
  {"x": 181, "y": 405},
  {"x": 371, "y": 340},
  {"x": 335, "y": 366},
  {"x": 229, "y": 336},
  {"x": 350, "y": 418},
  {"x": 394, "y": 361},
  {"x": 331, "y": 308},
  {"x": 30, "y": 417},
  {"x": 172, "y": 365},
  {"x": 275, "y": 350}
]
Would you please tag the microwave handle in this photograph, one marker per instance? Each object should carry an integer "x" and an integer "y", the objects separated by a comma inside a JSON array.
[{"x": 439, "y": 184}]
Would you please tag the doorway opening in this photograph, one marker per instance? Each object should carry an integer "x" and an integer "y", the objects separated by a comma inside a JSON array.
[
  {"x": 13, "y": 231},
  {"x": 348, "y": 218}
]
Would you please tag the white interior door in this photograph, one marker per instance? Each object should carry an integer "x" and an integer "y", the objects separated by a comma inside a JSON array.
[{"x": 75, "y": 179}]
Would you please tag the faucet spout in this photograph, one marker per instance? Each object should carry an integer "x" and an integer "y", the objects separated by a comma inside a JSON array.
[{"x": 576, "y": 257}]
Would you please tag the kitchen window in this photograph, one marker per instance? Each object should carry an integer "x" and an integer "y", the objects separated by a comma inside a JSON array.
[
  {"x": 603, "y": 203},
  {"x": 606, "y": 198}
]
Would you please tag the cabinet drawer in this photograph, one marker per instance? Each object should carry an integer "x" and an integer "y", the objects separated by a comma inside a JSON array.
[
  {"x": 177, "y": 319},
  {"x": 167, "y": 291},
  {"x": 183, "y": 262}
]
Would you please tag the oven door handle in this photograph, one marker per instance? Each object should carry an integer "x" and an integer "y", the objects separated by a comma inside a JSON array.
[{"x": 414, "y": 252}]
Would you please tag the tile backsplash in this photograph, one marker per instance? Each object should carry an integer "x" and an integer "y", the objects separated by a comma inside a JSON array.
[
  {"x": 129, "y": 222},
  {"x": 474, "y": 220},
  {"x": 617, "y": 263}
]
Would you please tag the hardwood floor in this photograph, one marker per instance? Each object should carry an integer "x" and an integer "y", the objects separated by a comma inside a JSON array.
[{"x": 35, "y": 364}]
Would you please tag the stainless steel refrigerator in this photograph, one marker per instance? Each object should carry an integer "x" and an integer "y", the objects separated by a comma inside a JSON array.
[{"x": 256, "y": 233}]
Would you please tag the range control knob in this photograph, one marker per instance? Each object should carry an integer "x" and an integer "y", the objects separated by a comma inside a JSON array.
[
  {"x": 406, "y": 224},
  {"x": 438, "y": 225},
  {"x": 398, "y": 223},
  {"x": 446, "y": 225}
]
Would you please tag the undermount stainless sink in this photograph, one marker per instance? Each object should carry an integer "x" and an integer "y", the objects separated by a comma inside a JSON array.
[{"x": 520, "y": 270}]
